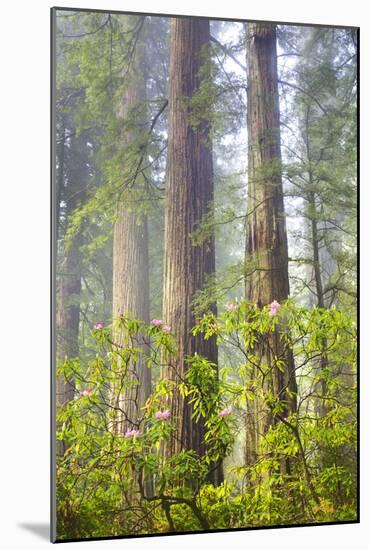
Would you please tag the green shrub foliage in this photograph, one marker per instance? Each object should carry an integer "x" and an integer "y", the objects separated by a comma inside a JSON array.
[{"x": 102, "y": 478}]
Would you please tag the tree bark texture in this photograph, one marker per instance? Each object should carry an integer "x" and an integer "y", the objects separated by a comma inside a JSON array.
[
  {"x": 266, "y": 237},
  {"x": 131, "y": 264},
  {"x": 189, "y": 197}
]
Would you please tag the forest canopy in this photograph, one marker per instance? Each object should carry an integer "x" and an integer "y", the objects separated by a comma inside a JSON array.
[{"x": 205, "y": 179}]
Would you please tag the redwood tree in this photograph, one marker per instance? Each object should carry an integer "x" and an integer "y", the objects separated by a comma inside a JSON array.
[
  {"x": 189, "y": 196},
  {"x": 130, "y": 253},
  {"x": 266, "y": 236}
]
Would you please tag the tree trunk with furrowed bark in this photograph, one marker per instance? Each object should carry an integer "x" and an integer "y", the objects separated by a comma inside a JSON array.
[
  {"x": 266, "y": 237},
  {"x": 131, "y": 296},
  {"x": 130, "y": 259},
  {"x": 189, "y": 196}
]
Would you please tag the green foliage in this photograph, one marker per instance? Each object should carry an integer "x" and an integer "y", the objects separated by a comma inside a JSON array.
[
  {"x": 320, "y": 160},
  {"x": 107, "y": 483},
  {"x": 102, "y": 476}
]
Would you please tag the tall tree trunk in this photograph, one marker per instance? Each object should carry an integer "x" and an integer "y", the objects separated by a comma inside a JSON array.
[
  {"x": 316, "y": 257},
  {"x": 130, "y": 260},
  {"x": 189, "y": 196},
  {"x": 69, "y": 276},
  {"x": 67, "y": 323},
  {"x": 266, "y": 236},
  {"x": 131, "y": 296},
  {"x": 131, "y": 266},
  {"x": 321, "y": 386},
  {"x": 312, "y": 207}
]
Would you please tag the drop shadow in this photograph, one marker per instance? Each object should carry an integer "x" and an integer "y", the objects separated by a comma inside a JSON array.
[{"x": 42, "y": 530}]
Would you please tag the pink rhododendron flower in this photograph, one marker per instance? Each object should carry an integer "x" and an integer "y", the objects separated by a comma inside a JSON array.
[
  {"x": 132, "y": 433},
  {"x": 163, "y": 415},
  {"x": 167, "y": 328},
  {"x": 231, "y": 306},
  {"x": 274, "y": 307},
  {"x": 99, "y": 326},
  {"x": 157, "y": 322},
  {"x": 86, "y": 392},
  {"x": 225, "y": 412}
]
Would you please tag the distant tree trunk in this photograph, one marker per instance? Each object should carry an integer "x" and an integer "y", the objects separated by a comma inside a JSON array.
[
  {"x": 189, "y": 196},
  {"x": 321, "y": 386},
  {"x": 312, "y": 215},
  {"x": 130, "y": 251},
  {"x": 266, "y": 236},
  {"x": 67, "y": 323},
  {"x": 316, "y": 243},
  {"x": 69, "y": 274}
]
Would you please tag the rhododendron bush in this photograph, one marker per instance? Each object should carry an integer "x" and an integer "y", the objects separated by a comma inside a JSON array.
[{"x": 113, "y": 482}]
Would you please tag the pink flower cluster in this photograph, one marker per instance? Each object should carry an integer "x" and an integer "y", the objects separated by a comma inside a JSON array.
[
  {"x": 274, "y": 307},
  {"x": 86, "y": 392},
  {"x": 159, "y": 323},
  {"x": 163, "y": 415},
  {"x": 99, "y": 326},
  {"x": 132, "y": 433},
  {"x": 225, "y": 412},
  {"x": 231, "y": 306}
]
